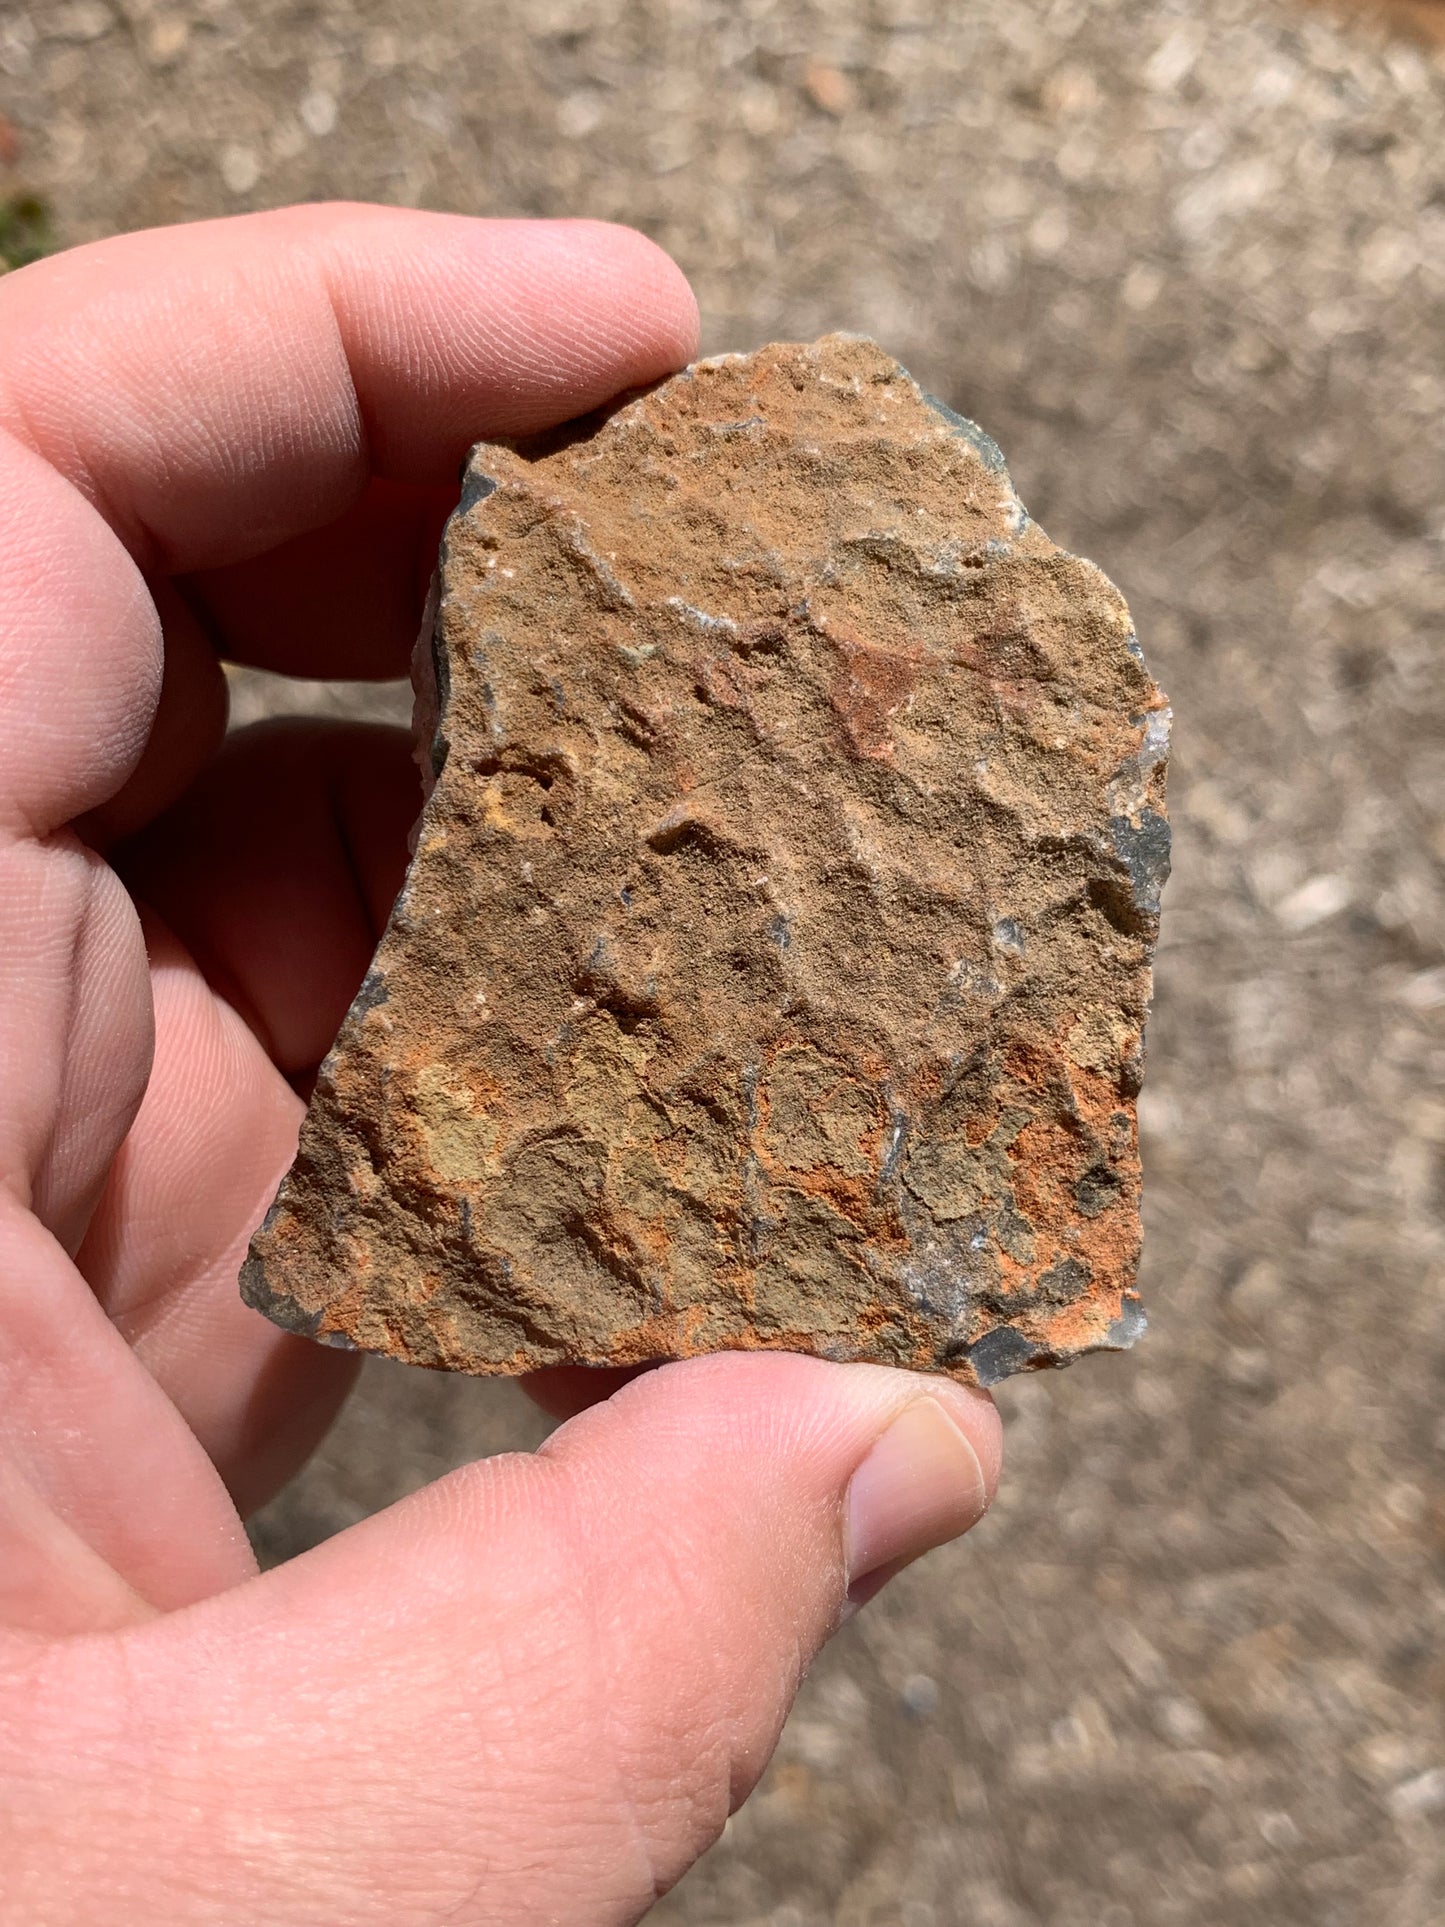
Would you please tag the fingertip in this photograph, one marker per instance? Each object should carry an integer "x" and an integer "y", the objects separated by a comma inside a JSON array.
[
  {"x": 921, "y": 1483},
  {"x": 980, "y": 1421},
  {"x": 647, "y": 272},
  {"x": 799, "y": 1424},
  {"x": 510, "y": 326}
]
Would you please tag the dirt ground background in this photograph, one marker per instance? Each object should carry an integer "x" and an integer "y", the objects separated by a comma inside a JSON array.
[{"x": 1186, "y": 263}]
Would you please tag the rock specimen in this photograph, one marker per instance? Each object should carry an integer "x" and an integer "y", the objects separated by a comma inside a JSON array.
[{"x": 773, "y": 965}]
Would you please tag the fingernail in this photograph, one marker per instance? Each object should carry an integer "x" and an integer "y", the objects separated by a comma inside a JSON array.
[{"x": 920, "y": 1485}]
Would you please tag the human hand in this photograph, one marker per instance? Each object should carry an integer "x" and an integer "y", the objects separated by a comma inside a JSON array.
[{"x": 533, "y": 1691}]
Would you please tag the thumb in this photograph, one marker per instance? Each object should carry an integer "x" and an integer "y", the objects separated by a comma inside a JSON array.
[{"x": 534, "y": 1691}]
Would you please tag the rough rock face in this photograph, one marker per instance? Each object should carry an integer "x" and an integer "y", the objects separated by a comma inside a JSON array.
[{"x": 773, "y": 966}]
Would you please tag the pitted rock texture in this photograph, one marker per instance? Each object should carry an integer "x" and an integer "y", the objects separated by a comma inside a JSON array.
[{"x": 773, "y": 965}]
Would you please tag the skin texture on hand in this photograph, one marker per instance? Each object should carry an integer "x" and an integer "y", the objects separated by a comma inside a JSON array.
[{"x": 534, "y": 1690}]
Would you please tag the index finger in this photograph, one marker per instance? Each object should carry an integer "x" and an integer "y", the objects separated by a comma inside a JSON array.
[
  {"x": 208, "y": 392},
  {"x": 217, "y": 388}
]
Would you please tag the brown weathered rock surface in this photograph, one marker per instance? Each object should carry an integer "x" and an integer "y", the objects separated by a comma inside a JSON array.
[{"x": 773, "y": 966}]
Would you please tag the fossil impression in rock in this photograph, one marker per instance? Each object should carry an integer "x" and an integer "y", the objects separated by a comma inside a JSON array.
[{"x": 773, "y": 965}]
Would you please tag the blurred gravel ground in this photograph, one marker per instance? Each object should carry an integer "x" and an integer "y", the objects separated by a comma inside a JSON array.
[{"x": 1185, "y": 262}]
